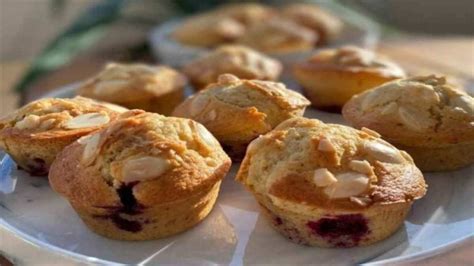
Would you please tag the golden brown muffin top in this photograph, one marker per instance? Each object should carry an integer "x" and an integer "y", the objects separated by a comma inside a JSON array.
[
  {"x": 208, "y": 29},
  {"x": 304, "y": 163},
  {"x": 164, "y": 158},
  {"x": 353, "y": 59},
  {"x": 279, "y": 36},
  {"x": 239, "y": 60},
  {"x": 246, "y": 13},
  {"x": 419, "y": 111},
  {"x": 236, "y": 108},
  {"x": 312, "y": 16},
  {"x": 54, "y": 116},
  {"x": 121, "y": 83}
]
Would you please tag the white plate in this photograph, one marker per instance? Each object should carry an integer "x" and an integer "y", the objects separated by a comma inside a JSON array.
[
  {"x": 234, "y": 233},
  {"x": 358, "y": 30}
]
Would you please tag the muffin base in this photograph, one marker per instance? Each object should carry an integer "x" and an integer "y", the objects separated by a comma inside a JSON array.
[
  {"x": 336, "y": 228},
  {"x": 331, "y": 89},
  {"x": 163, "y": 104},
  {"x": 149, "y": 223},
  {"x": 36, "y": 154},
  {"x": 448, "y": 158}
]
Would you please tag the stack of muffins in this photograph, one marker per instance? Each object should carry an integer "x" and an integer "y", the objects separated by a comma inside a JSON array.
[{"x": 156, "y": 170}]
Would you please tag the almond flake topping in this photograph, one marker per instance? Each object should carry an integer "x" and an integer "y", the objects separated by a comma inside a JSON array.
[
  {"x": 29, "y": 122},
  {"x": 143, "y": 168},
  {"x": 382, "y": 152},
  {"x": 325, "y": 145},
  {"x": 323, "y": 177},
  {"x": 91, "y": 143},
  {"x": 361, "y": 167},
  {"x": 205, "y": 135},
  {"x": 348, "y": 184},
  {"x": 87, "y": 120},
  {"x": 371, "y": 132}
]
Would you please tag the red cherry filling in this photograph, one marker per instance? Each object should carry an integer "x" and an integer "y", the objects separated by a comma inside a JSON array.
[
  {"x": 37, "y": 167},
  {"x": 341, "y": 230},
  {"x": 129, "y": 206}
]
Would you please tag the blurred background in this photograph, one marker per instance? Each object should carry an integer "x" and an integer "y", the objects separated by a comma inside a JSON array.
[
  {"x": 38, "y": 36},
  {"x": 49, "y": 43}
]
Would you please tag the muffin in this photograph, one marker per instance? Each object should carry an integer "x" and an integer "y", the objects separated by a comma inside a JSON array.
[
  {"x": 34, "y": 134},
  {"x": 332, "y": 76},
  {"x": 156, "y": 89},
  {"x": 313, "y": 17},
  {"x": 236, "y": 111},
  {"x": 208, "y": 30},
  {"x": 144, "y": 176},
  {"x": 240, "y": 61},
  {"x": 279, "y": 36},
  {"x": 246, "y": 13},
  {"x": 429, "y": 118},
  {"x": 330, "y": 185}
]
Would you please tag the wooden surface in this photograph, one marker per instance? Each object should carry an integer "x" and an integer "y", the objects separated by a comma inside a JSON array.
[{"x": 451, "y": 56}]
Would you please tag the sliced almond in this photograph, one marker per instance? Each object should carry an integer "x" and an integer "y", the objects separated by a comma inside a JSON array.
[
  {"x": 383, "y": 152},
  {"x": 464, "y": 102},
  {"x": 87, "y": 120},
  {"x": 197, "y": 105},
  {"x": 206, "y": 136},
  {"x": 361, "y": 167},
  {"x": 362, "y": 201},
  {"x": 323, "y": 177},
  {"x": 143, "y": 168},
  {"x": 325, "y": 145},
  {"x": 371, "y": 132},
  {"x": 389, "y": 109},
  {"x": 414, "y": 118},
  {"x": 115, "y": 107},
  {"x": 29, "y": 122},
  {"x": 348, "y": 184},
  {"x": 47, "y": 124},
  {"x": 91, "y": 143}
]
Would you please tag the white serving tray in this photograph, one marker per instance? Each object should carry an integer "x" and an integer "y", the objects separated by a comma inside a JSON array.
[{"x": 234, "y": 233}]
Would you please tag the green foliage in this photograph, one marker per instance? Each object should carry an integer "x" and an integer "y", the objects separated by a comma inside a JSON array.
[{"x": 88, "y": 28}]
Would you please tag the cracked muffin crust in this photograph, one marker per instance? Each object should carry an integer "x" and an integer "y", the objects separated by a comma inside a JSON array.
[
  {"x": 326, "y": 25},
  {"x": 238, "y": 60},
  {"x": 426, "y": 116},
  {"x": 332, "y": 76},
  {"x": 237, "y": 111},
  {"x": 144, "y": 176},
  {"x": 34, "y": 134},
  {"x": 278, "y": 36},
  {"x": 152, "y": 88},
  {"x": 330, "y": 185}
]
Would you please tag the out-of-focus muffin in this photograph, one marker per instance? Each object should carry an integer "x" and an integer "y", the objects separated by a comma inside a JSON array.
[
  {"x": 145, "y": 176},
  {"x": 246, "y": 13},
  {"x": 208, "y": 30},
  {"x": 34, "y": 134},
  {"x": 332, "y": 76},
  {"x": 279, "y": 36},
  {"x": 313, "y": 17},
  {"x": 156, "y": 89},
  {"x": 238, "y": 60},
  {"x": 237, "y": 111},
  {"x": 330, "y": 185},
  {"x": 429, "y": 118}
]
